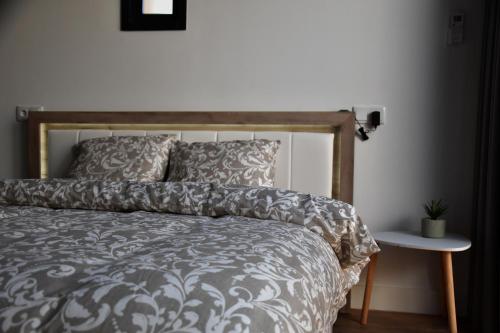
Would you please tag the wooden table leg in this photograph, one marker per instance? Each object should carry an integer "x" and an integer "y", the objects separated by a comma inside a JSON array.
[
  {"x": 443, "y": 300},
  {"x": 368, "y": 288},
  {"x": 447, "y": 267}
]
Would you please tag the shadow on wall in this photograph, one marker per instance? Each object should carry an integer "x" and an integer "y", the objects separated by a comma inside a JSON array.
[
  {"x": 7, "y": 8},
  {"x": 17, "y": 130},
  {"x": 403, "y": 224},
  {"x": 20, "y": 156}
]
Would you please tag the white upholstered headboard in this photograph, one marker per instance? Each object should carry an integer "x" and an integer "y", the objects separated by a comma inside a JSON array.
[
  {"x": 304, "y": 162},
  {"x": 315, "y": 155}
]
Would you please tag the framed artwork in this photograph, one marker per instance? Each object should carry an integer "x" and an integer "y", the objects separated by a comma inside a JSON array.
[{"x": 153, "y": 15}]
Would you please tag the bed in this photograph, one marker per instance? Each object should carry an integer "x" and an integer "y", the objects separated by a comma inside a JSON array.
[{"x": 86, "y": 255}]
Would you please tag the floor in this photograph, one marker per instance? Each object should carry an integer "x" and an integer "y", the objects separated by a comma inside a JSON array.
[{"x": 391, "y": 322}]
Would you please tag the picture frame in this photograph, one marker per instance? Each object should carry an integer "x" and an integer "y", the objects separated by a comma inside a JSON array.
[{"x": 133, "y": 18}]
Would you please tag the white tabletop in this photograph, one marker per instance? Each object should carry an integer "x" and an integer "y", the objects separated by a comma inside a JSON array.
[{"x": 413, "y": 240}]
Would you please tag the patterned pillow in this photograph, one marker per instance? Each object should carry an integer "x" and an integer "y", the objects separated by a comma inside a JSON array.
[
  {"x": 138, "y": 158},
  {"x": 232, "y": 162}
]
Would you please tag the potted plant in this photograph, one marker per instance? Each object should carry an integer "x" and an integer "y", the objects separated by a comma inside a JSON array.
[{"x": 433, "y": 226}]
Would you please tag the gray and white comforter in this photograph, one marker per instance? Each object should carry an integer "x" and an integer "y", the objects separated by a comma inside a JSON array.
[{"x": 95, "y": 256}]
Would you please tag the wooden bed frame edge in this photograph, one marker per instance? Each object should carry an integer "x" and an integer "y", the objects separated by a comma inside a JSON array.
[{"x": 341, "y": 124}]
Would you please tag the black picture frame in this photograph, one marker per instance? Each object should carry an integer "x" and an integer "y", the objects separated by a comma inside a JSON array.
[{"x": 132, "y": 18}]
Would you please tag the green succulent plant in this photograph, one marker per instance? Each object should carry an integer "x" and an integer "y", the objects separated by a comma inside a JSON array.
[{"x": 435, "y": 209}]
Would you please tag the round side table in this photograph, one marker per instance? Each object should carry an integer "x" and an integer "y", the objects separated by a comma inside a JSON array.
[{"x": 413, "y": 240}]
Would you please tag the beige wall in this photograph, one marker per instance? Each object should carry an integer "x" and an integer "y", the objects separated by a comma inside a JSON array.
[{"x": 277, "y": 55}]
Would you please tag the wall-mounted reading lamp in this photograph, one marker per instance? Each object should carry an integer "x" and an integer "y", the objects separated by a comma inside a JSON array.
[{"x": 368, "y": 118}]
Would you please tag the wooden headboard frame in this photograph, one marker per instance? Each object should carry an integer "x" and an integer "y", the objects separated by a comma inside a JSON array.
[{"x": 339, "y": 123}]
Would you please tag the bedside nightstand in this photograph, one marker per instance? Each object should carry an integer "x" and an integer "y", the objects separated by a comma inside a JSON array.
[{"x": 412, "y": 240}]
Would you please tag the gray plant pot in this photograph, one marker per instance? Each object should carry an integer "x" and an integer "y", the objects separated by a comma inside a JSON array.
[{"x": 433, "y": 228}]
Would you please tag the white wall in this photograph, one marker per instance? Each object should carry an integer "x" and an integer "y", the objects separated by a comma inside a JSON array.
[{"x": 277, "y": 55}]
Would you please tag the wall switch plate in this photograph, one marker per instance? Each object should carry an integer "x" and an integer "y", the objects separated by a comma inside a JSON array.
[
  {"x": 363, "y": 113},
  {"x": 22, "y": 111},
  {"x": 456, "y": 28}
]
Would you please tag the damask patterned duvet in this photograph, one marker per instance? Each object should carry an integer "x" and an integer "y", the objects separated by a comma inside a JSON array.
[{"x": 94, "y": 256}]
